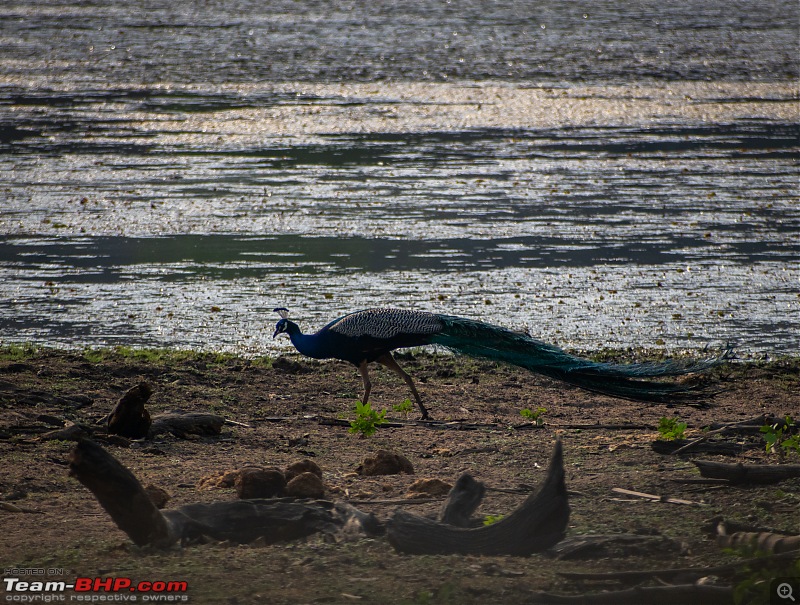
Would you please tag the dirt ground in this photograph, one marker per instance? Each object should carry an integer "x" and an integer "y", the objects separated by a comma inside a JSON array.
[{"x": 277, "y": 406}]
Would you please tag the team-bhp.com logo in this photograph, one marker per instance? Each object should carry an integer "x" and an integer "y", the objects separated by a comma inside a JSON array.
[{"x": 94, "y": 590}]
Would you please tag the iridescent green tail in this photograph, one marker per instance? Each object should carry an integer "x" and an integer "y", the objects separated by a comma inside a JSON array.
[{"x": 630, "y": 381}]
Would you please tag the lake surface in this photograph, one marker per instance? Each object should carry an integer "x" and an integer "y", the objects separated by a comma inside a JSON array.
[{"x": 605, "y": 174}]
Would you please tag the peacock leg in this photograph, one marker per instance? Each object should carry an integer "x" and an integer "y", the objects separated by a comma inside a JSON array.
[
  {"x": 364, "y": 371},
  {"x": 389, "y": 361}
]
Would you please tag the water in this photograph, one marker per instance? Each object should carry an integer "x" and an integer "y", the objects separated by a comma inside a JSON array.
[{"x": 609, "y": 174}]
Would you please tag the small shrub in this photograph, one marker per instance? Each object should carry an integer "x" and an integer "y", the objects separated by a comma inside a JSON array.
[
  {"x": 534, "y": 416},
  {"x": 671, "y": 429},
  {"x": 404, "y": 408},
  {"x": 779, "y": 439},
  {"x": 367, "y": 420}
]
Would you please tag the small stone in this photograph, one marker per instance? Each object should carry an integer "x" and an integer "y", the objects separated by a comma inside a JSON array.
[
  {"x": 306, "y": 485},
  {"x": 428, "y": 487},
  {"x": 304, "y": 466},
  {"x": 157, "y": 495},
  {"x": 255, "y": 482},
  {"x": 386, "y": 463},
  {"x": 218, "y": 481}
]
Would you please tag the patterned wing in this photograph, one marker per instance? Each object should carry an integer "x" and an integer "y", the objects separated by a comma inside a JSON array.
[{"x": 386, "y": 323}]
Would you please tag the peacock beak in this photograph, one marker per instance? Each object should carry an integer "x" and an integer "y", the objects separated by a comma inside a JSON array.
[{"x": 275, "y": 334}]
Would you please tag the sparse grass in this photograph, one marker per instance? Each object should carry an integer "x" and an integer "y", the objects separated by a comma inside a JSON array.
[
  {"x": 20, "y": 351},
  {"x": 404, "y": 408}
]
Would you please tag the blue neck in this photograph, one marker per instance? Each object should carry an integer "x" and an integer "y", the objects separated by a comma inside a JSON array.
[{"x": 306, "y": 344}]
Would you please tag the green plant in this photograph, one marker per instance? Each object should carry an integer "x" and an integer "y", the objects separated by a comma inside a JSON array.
[
  {"x": 404, "y": 408},
  {"x": 367, "y": 420},
  {"x": 490, "y": 519},
  {"x": 779, "y": 439},
  {"x": 534, "y": 416},
  {"x": 671, "y": 429}
]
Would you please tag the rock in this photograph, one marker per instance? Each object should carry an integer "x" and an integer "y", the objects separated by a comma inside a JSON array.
[
  {"x": 218, "y": 481},
  {"x": 304, "y": 466},
  {"x": 428, "y": 487},
  {"x": 157, "y": 495},
  {"x": 306, "y": 485},
  {"x": 255, "y": 482},
  {"x": 385, "y": 463}
]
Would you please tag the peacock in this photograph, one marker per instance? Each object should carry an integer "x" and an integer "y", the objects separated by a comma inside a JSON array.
[{"x": 372, "y": 334}]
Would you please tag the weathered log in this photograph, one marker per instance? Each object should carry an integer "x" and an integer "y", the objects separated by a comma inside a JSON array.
[
  {"x": 268, "y": 520},
  {"x": 747, "y": 473},
  {"x": 762, "y": 541},
  {"x": 680, "y": 574},
  {"x": 537, "y": 524},
  {"x": 184, "y": 424},
  {"x": 686, "y": 594},
  {"x": 129, "y": 417},
  {"x": 612, "y": 545},
  {"x": 700, "y": 446},
  {"x": 655, "y": 497},
  {"x": 462, "y": 501},
  {"x": 243, "y": 521},
  {"x": 120, "y": 494}
]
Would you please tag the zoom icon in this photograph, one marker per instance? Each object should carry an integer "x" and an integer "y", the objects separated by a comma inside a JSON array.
[{"x": 784, "y": 591}]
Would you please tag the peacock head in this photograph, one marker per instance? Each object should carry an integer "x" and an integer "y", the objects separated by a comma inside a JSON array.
[{"x": 283, "y": 323}]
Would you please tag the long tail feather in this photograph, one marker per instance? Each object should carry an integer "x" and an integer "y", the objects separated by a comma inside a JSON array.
[{"x": 478, "y": 339}]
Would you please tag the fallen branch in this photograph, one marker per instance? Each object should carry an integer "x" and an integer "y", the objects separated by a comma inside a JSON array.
[
  {"x": 725, "y": 428},
  {"x": 242, "y": 521},
  {"x": 120, "y": 494},
  {"x": 612, "y": 545},
  {"x": 655, "y": 498},
  {"x": 462, "y": 501},
  {"x": 747, "y": 473},
  {"x": 536, "y": 525},
  {"x": 13, "y": 508},
  {"x": 686, "y": 594},
  {"x": 699, "y": 446},
  {"x": 762, "y": 541},
  {"x": 682, "y": 574},
  {"x": 184, "y": 424},
  {"x": 129, "y": 417}
]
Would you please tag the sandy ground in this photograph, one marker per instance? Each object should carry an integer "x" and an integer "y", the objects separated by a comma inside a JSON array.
[{"x": 279, "y": 405}]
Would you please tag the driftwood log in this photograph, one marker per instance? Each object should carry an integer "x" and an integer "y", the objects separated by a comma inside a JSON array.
[
  {"x": 183, "y": 424},
  {"x": 728, "y": 536},
  {"x": 462, "y": 501},
  {"x": 747, "y": 473},
  {"x": 125, "y": 500},
  {"x": 120, "y": 494},
  {"x": 536, "y": 525}
]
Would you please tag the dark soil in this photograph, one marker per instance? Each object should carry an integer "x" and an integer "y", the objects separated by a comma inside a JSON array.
[{"x": 287, "y": 410}]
